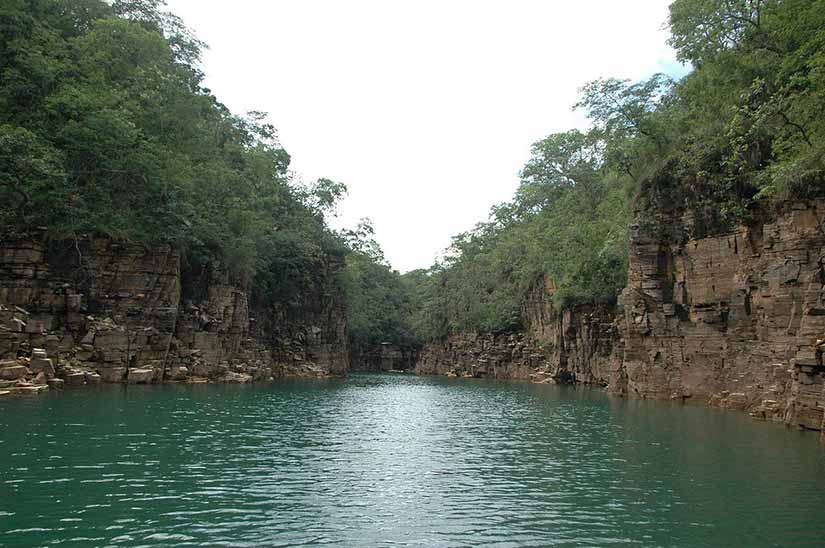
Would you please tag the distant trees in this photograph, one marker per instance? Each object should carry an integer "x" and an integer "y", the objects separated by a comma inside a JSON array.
[
  {"x": 568, "y": 220},
  {"x": 378, "y": 300}
]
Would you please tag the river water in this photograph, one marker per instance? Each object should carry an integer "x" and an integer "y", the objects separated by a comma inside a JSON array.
[{"x": 387, "y": 461}]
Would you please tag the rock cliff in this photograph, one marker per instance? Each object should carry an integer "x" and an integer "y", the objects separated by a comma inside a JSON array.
[
  {"x": 103, "y": 311},
  {"x": 572, "y": 345},
  {"x": 734, "y": 318},
  {"x": 731, "y": 318}
]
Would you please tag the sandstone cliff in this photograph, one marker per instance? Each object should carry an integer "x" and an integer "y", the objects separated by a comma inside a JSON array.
[
  {"x": 572, "y": 345},
  {"x": 732, "y": 319},
  {"x": 104, "y": 311}
]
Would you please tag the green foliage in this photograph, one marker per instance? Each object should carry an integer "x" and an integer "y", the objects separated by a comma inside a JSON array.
[
  {"x": 702, "y": 29},
  {"x": 568, "y": 221},
  {"x": 29, "y": 168},
  {"x": 748, "y": 119},
  {"x": 106, "y": 129},
  {"x": 378, "y": 300},
  {"x": 745, "y": 128}
]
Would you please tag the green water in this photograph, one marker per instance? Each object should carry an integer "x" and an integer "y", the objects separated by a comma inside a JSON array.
[{"x": 398, "y": 461}]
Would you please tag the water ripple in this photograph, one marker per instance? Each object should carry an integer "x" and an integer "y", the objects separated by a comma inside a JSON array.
[{"x": 389, "y": 461}]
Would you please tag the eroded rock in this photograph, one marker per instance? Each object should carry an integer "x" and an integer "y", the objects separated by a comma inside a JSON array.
[
  {"x": 140, "y": 376},
  {"x": 77, "y": 378},
  {"x": 13, "y": 372},
  {"x": 56, "y": 384},
  {"x": 133, "y": 316},
  {"x": 112, "y": 374}
]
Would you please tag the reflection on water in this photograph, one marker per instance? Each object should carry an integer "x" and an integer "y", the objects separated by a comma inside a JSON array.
[{"x": 399, "y": 461}]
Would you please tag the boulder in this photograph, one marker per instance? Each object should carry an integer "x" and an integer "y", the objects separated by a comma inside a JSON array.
[
  {"x": 14, "y": 372},
  {"x": 179, "y": 373},
  {"x": 42, "y": 365},
  {"x": 110, "y": 356},
  {"x": 55, "y": 384},
  {"x": 236, "y": 378},
  {"x": 75, "y": 379},
  {"x": 29, "y": 389},
  {"x": 736, "y": 400},
  {"x": 35, "y": 327},
  {"x": 141, "y": 376},
  {"x": 92, "y": 377},
  {"x": 112, "y": 374},
  {"x": 40, "y": 379},
  {"x": 88, "y": 338}
]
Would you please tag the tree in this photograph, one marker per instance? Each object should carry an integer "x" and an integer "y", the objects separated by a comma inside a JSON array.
[
  {"x": 28, "y": 167},
  {"x": 379, "y": 303},
  {"x": 702, "y": 29},
  {"x": 106, "y": 130}
]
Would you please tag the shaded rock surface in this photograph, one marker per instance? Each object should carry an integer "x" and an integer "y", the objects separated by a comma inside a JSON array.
[
  {"x": 107, "y": 312},
  {"x": 573, "y": 345},
  {"x": 383, "y": 357}
]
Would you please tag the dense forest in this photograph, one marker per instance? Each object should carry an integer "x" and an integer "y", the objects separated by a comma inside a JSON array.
[
  {"x": 106, "y": 129},
  {"x": 741, "y": 132}
]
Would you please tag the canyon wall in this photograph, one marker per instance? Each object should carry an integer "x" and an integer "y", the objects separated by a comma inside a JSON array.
[
  {"x": 110, "y": 312},
  {"x": 572, "y": 345},
  {"x": 735, "y": 319}
]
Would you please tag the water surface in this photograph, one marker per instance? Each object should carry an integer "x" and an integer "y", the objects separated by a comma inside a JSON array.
[{"x": 387, "y": 461}]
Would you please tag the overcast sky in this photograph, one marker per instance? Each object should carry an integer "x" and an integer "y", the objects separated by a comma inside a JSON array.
[{"x": 425, "y": 109}]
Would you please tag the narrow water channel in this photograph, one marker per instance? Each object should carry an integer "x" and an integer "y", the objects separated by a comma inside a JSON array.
[{"x": 385, "y": 461}]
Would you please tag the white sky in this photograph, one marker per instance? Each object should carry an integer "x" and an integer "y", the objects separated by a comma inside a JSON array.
[{"x": 425, "y": 109}]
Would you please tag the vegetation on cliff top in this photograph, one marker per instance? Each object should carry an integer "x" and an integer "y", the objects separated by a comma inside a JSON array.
[
  {"x": 744, "y": 128},
  {"x": 106, "y": 129}
]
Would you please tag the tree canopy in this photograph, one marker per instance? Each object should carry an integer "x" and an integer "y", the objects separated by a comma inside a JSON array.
[
  {"x": 379, "y": 305},
  {"x": 741, "y": 131},
  {"x": 106, "y": 129}
]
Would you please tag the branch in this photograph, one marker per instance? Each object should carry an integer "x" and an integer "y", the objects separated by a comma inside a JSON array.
[{"x": 801, "y": 129}]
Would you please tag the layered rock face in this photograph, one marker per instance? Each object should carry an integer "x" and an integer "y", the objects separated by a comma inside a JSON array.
[
  {"x": 127, "y": 313},
  {"x": 573, "y": 345},
  {"x": 580, "y": 342},
  {"x": 733, "y": 318},
  {"x": 505, "y": 356}
]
